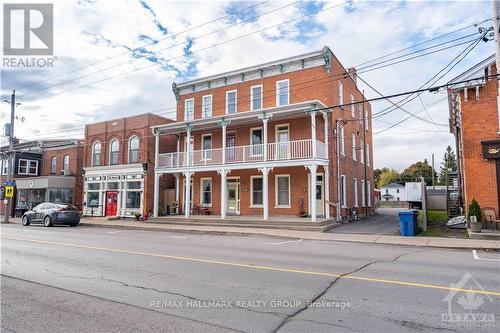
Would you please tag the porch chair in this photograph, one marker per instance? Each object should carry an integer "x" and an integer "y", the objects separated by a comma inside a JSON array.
[
  {"x": 490, "y": 216},
  {"x": 195, "y": 209}
]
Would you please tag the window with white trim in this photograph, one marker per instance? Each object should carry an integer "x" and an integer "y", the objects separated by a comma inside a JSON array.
[
  {"x": 361, "y": 152},
  {"x": 354, "y": 151},
  {"x": 353, "y": 107},
  {"x": 355, "y": 188},
  {"x": 66, "y": 164},
  {"x": 231, "y": 102},
  {"x": 341, "y": 140},
  {"x": 5, "y": 166},
  {"x": 114, "y": 152},
  {"x": 366, "y": 120},
  {"x": 343, "y": 191},
  {"x": 368, "y": 183},
  {"x": 206, "y": 192},
  {"x": 206, "y": 146},
  {"x": 256, "y": 190},
  {"x": 53, "y": 165},
  {"x": 341, "y": 93},
  {"x": 363, "y": 193},
  {"x": 256, "y": 97},
  {"x": 27, "y": 167},
  {"x": 283, "y": 191},
  {"x": 367, "y": 154},
  {"x": 282, "y": 92},
  {"x": 206, "y": 106},
  {"x": 256, "y": 141},
  {"x": 189, "y": 109},
  {"x": 133, "y": 149},
  {"x": 96, "y": 153}
]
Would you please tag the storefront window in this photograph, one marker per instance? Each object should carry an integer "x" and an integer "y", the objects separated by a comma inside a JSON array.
[
  {"x": 133, "y": 199},
  {"x": 92, "y": 199},
  {"x": 113, "y": 186},
  {"x": 61, "y": 196},
  {"x": 133, "y": 185},
  {"x": 27, "y": 199},
  {"x": 94, "y": 186}
]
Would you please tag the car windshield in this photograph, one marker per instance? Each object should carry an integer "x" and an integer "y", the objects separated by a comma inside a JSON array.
[{"x": 69, "y": 207}]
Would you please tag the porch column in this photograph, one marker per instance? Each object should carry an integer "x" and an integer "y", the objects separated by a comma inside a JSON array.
[
  {"x": 325, "y": 121},
  {"x": 223, "y": 190},
  {"x": 312, "y": 193},
  {"x": 177, "y": 186},
  {"x": 188, "y": 145},
  {"x": 156, "y": 195},
  {"x": 187, "y": 192},
  {"x": 326, "y": 181},
  {"x": 224, "y": 124},
  {"x": 265, "y": 191},
  {"x": 265, "y": 119},
  {"x": 157, "y": 148},
  {"x": 313, "y": 132}
]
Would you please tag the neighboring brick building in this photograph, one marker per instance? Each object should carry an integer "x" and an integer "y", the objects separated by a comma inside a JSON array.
[
  {"x": 475, "y": 122},
  {"x": 261, "y": 138},
  {"x": 45, "y": 171},
  {"x": 119, "y": 165}
]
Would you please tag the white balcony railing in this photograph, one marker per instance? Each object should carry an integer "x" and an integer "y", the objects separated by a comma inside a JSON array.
[{"x": 290, "y": 150}]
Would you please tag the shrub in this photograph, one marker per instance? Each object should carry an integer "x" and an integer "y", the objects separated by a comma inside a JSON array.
[{"x": 474, "y": 210}]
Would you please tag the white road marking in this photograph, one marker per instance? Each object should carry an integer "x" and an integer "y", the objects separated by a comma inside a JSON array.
[
  {"x": 285, "y": 242},
  {"x": 474, "y": 254}
]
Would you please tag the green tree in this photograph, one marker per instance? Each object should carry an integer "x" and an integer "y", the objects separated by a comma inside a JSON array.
[
  {"x": 377, "y": 172},
  {"x": 386, "y": 177},
  {"x": 449, "y": 163},
  {"x": 417, "y": 170}
]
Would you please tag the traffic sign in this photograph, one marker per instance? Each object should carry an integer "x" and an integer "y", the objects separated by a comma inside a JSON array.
[{"x": 9, "y": 191}]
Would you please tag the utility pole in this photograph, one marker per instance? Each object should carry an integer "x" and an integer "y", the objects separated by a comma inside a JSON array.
[
  {"x": 432, "y": 171},
  {"x": 364, "y": 157},
  {"x": 496, "y": 26},
  {"x": 10, "y": 169}
]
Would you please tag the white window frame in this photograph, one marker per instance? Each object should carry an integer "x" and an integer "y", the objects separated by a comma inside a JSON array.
[
  {"x": 204, "y": 106},
  {"x": 287, "y": 92},
  {"x": 367, "y": 154},
  {"x": 353, "y": 107},
  {"x": 66, "y": 165},
  {"x": 261, "y": 144},
  {"x": 361, "y": 151},
  {"x": 366, "y": 121},
  {"x": 28, "y": 162},
  {"x": 369, "y": 196},
  {"x": 341, "y": 94},
  {"x": 202, "y": 191},
  {"x": 343, "y": 190},
  {"x": 355, "y": 201},
  {"x": 235, "y": 100},
  {"x": 276, "y": 205},
  {"x": 186, "y": 115},
  {"x": 277, "y": 131},
  {"x": 363, "y": 193},
  {"x": 5, "y": 166},
  {"x": 53, "y": 172},
  {"x": 342, "y": 140},
  {"x": 252, "y": 205},
  {"x": 261, "y": 97},
  {"x": 138, "y": 147},
  {"x": 205, "y": 156},
  {"x": 93, "y": 153},
  {"x": 111, "y": 151},
  {"x": 354, "y": 151}
]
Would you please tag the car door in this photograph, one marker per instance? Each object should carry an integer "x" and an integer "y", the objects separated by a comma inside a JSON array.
[{"x": 37, "y": 213}]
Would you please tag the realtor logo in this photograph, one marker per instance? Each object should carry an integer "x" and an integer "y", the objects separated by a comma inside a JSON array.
[{"x": 28, "y": 29}]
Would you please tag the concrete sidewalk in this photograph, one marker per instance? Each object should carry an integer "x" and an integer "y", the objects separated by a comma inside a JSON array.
[{"x": 440, "y": 242}]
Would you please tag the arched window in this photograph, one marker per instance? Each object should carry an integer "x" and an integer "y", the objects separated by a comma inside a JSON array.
[
  {"x": 66, "y": 164},
  {"x": 53, "y": 165},
  {"x": 96, "y": 153},
  {"x": 133, "y": 149},
  {"x": 114, "y": 151}
]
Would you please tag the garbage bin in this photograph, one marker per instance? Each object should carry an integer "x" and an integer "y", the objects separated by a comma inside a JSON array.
[{"x": 408, "y": 222}]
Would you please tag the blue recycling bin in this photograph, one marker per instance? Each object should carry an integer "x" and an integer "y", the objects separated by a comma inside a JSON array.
[{"x": 408, "y": 222}]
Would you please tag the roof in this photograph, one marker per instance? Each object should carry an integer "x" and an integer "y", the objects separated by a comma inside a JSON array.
[
  {"x": 473, "y": 72},
  {"x": 393, "y": 185}
]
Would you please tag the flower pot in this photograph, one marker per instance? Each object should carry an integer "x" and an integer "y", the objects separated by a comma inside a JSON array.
[{"x": 476, "y": 226}]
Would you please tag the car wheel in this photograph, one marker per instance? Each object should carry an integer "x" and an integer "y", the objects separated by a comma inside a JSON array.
[
  {"x": 47, "y": 222},
  {"x": 25, "y": 221},
  {"x": 74, "y": 224}
]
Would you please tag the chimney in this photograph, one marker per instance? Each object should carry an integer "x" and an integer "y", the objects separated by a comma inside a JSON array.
[{"x": 353, "y": 73}]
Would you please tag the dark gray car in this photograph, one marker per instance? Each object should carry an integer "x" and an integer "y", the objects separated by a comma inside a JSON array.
[{"x": 49, "y": 214}]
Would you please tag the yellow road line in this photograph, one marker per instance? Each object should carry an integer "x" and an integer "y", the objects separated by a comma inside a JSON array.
[{"x": 260, "y": 267}]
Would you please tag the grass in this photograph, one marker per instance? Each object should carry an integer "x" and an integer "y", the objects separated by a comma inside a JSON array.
[{"x": 436, "y": 225}]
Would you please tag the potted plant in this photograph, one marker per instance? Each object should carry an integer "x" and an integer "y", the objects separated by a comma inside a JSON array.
[
  {"x": 137, "y": 216},
  {"x": 173, "y": 207},
  {"x": 474, "y": 216}
]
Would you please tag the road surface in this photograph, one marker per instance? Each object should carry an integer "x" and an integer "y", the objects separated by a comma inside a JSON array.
[{"x": 86, "y": 279}]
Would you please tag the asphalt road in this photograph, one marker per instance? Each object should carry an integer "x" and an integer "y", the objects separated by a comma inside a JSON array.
[
  {"x": 385, "y": 222},
  {"x": 85, "y": 279}
]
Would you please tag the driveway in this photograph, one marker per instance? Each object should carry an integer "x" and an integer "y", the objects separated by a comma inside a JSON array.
[{"x": 386, "y": 222}]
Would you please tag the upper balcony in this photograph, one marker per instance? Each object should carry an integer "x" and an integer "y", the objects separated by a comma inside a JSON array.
[{"x": 278, "y": 153}]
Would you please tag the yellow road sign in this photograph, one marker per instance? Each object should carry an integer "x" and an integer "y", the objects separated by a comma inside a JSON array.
[{"x": 9, "y": 191}]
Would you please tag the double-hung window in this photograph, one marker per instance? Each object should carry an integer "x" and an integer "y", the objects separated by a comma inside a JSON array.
[
  {"x": 363, "y": 199},
  {"x": 343, "y": 192},
  {"x": 341, "y": 93},
  {"x": 367, "y": 154},
  {"x": 256, "y": 148},
  {"x": 282, "y": 92},
  {"x": 354, "y": 152},
  {"x": 206, "y": 192},
  {"x": 283, "y": 191},
  {"x": 368, "y": 183},
  {"x": 361, "y": 151},
  {"x": 341, "y": 140},
  {"x": 53, "y": 165},
  {"x": 206, "y": 142},
  {"x": 66, "y": 164},
  {"x": 355, "y": 184},
  {"x": 206, "y": 106},
  {"x": 256, "y": 98},
  {"x": 256, "y": 188},
  {"x": 366, "y": 120},
  {"x": 189, "y": 109},
  {"x": 27, "y": 167},
  {"x": 353, "y": 107},
  {"x": 5, "y": 166},
  {"x": 231, "y": 102}
]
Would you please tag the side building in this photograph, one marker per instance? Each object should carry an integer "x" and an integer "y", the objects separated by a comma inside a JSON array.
[
  {"x": 272, "y": 140},
  {"x": 119, "y": 166}
]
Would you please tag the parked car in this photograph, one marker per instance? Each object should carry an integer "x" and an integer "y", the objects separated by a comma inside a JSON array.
[{"x": 49, "y": 214}]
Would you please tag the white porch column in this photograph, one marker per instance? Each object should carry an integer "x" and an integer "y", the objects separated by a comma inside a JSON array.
[
  {"x": 265, "y": 119},
  {"x": 326, "y": 182},
  {"x": 313, "y": 132},
  {"x": 177, "y": 186},
  {"x": 223, "y": 190},
  {"x": 312, "y": 193},
  {"x": 156, "y": 195},
  {"x": 187, "y": 192},
  {"x": 188, "y": 146},
  {"x": 157, "y": 148},
  {"x": 265, "y": 191}
]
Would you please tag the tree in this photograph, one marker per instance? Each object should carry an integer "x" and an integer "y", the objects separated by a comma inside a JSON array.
[
  {"x": 449, "y": 163},
  {"x": 377, "y": 172},
  {"x": 417, "y": 170},
  {"x": 386, "y": 177}
]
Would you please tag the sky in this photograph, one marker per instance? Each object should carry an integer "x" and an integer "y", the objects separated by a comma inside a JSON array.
[{"x": 119, "y": 58}]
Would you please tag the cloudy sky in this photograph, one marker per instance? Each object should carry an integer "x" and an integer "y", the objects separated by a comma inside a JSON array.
[{"x": 118, "y": 58}]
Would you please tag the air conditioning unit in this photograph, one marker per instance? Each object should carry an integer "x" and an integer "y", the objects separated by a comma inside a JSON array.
[{"x": 65, "y": 173}]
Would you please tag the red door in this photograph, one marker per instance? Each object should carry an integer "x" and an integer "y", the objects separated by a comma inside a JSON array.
[{"x": 111, "y": 201}]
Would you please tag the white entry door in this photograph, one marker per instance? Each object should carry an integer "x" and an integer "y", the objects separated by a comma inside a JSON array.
[
  {"x": 282, "y": 139},
  {"x": 319, "y": 195},
  {"x": 233, "y": 196}
]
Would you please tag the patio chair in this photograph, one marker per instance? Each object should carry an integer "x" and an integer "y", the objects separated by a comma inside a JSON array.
[
  {"x": 490, "y": 217},
  {"x": 195, "y": 209}
]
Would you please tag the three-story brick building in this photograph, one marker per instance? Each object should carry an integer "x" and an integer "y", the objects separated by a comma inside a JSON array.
[{"x": 283, "y": 138}]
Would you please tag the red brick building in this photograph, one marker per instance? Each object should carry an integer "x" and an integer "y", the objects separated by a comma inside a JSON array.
[
  {"x": 119, "y": 166},
  {"x": 475, "y": 122},
  {"x": 262, "y": 137}
]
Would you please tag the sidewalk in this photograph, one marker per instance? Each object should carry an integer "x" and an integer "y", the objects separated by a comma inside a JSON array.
[{"x": 440, "y": 242}]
